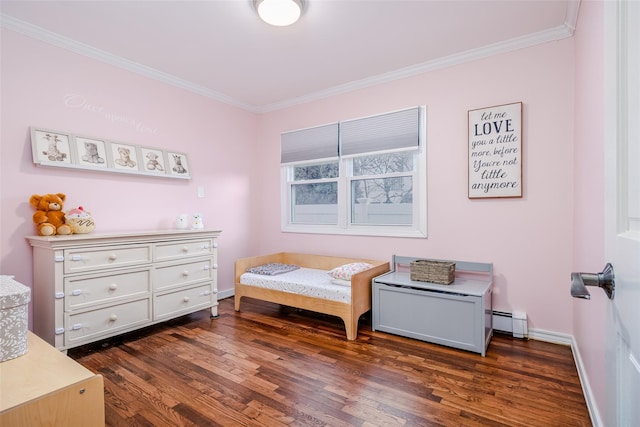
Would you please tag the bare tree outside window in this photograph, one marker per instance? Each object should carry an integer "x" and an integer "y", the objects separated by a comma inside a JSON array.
[
  {"x": 314, "y": 193},
  {"x": 383, "y": 190}
]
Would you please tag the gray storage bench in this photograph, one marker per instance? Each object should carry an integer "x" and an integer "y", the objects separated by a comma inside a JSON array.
[{"x": 457, "y": 315}]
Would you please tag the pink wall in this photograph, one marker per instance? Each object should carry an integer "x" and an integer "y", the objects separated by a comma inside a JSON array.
[
  {"x": 529, "y": 240},
  {"x": 589, "y": 317},
  {"x": 36, "y": 78}
]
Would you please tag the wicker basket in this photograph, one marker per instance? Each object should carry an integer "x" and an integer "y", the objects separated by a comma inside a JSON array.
[{"x": 425, "y": 270}]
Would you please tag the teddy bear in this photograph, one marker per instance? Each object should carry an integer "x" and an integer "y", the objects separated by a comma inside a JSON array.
[
  {"x": 49, "y": 217},
  {"x": 80, "y": 220},
  {"x": 91, "y": 153},
  {"x": 125, "y": 158}
]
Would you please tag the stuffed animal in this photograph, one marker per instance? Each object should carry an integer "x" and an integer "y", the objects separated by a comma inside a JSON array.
[
  {"x": 49, "y": 217},
  {"x": 80, "y": 220},
  {"x": 196, "y": 221},
  {"x": 182, "y": 221}
]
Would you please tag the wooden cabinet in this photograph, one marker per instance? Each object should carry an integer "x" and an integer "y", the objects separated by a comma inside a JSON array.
[
  {"x": 93, "y": 286},
  {"x": 456, "y": 315},
  {"x": 44, "y": 387}
]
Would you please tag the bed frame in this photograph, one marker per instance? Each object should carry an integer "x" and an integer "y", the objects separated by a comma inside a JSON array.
[{"x": 349, "y": 313}]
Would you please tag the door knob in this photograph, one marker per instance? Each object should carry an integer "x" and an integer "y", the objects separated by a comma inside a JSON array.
[{"x": 604, "y": 280}]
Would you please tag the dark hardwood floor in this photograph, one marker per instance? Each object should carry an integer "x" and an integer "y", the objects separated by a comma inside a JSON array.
[{"x": 273, "y": 366}]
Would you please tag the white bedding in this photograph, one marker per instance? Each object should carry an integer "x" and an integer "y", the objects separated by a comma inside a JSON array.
[{"x": 304, "y": 281}]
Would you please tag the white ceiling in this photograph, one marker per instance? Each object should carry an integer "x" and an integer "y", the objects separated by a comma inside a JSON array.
[{"x": 220, "y": 48}]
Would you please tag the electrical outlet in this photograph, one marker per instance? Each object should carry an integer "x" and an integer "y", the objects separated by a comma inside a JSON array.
[{"x": 200, "y": 192}]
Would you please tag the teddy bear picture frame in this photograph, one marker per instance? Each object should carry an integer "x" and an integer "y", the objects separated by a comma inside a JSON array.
[
  {"x": 63, "y": 149},
  {"x": 91, "y": 152},
  {"x": 125, "y": 156}
]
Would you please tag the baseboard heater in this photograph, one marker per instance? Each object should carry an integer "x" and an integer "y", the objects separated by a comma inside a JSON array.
[{"x": 510, "y": 323}]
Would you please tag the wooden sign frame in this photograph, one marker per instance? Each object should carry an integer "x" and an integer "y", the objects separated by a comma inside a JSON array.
[{"x": 495, "y": 151}]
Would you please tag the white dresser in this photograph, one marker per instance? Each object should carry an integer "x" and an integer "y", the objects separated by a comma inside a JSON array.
[{"x": 87, "y": 287}]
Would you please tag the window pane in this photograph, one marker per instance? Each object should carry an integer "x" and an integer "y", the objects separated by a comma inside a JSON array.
[
  {"x": 314, "y": 203},
  {"x": 381, "y": 164},
  {"x": 383, "y": 201},
  {"x": 325, "y": 170}
]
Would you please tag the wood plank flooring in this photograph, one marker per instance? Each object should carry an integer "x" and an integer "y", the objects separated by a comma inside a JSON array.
[{"x": 274, "y": 366}]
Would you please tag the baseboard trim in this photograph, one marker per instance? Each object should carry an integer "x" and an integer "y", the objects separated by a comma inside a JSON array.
[
  {"x": 226, "y": 294},
  {"x": 552, "y": 337}
]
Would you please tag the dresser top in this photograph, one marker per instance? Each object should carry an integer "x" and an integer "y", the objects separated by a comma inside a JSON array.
[{"x": 122, "y": 236}]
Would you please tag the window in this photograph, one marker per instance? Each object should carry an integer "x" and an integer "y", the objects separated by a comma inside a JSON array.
[{"x": 365, "y": 176}]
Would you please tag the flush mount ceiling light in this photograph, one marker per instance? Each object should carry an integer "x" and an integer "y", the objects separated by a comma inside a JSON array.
[{"x": 279, "y": 12}]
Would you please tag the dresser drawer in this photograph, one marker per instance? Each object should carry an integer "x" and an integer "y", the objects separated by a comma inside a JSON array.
[
  {"x": 169, "y": 251},
  {"x": 174, "y": 275},
  {"x": 84, "y": 291},
  {"x": 91, "y": 325},
  {"x": 90, "y": 259},
  {"x": 184, "y": 301}
]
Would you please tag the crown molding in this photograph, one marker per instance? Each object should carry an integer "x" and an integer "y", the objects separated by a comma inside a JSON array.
[
  {"x": 562, "y": 31},
  {"x": 553, "y": 34},
  {"x": 47, "y": 36}
]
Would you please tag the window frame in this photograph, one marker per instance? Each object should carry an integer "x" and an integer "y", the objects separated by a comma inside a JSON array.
[{"x": 345, "y": 225}]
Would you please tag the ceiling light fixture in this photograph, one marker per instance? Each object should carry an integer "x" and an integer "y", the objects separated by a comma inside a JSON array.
[{"x": 279, "y": 12}]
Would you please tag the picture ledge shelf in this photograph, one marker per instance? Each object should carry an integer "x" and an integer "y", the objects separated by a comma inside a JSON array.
[{"x": 64, "y": 150}]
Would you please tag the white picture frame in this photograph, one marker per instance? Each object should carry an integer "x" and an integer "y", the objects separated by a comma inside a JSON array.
[
  {"x": 91, "y": 152},
  {"x": 178, "y": 164},
  {"x": 125, "y": 156},
  {"x": 51, "y": 147},
  {"x": 153, "y": 160},
  {"x": 495, "y": 152}
]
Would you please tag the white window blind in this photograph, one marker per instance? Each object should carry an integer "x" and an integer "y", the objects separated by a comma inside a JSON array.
[
  {"x": 309, "y": 144},
  {"x": 390, "y": 131}
]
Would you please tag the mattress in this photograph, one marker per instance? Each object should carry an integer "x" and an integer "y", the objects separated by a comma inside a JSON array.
[{"x": 310, "y": 282}]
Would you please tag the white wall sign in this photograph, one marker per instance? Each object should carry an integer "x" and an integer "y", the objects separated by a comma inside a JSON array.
[{"x": 495, "y": 151}]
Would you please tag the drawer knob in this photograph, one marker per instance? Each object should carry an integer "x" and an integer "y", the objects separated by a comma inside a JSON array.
[
  {"x": 185, "y": 299},
  {"x": 185, "y": 249},
  {"x": 113, "y": 317},
  {"x": 113, "y": 257},
  {"x": 185, "y": 273},
  {"x": 215, "y": 266},
  {"x": 113, "y": 286}
]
